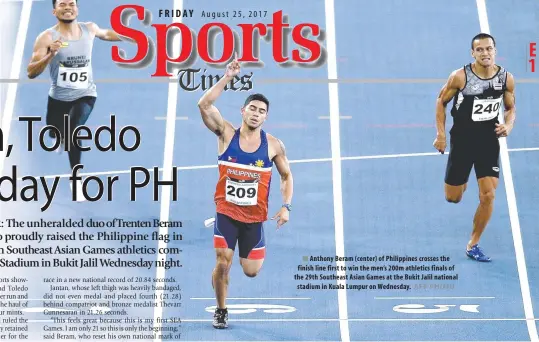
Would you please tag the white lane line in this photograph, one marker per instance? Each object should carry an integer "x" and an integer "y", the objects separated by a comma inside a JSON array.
[
  {"x": 336, "y": 160},
  {"x": 512, "y": 204}
]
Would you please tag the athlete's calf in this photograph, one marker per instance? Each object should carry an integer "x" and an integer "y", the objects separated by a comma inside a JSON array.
[{"x": 221, "y": 273}]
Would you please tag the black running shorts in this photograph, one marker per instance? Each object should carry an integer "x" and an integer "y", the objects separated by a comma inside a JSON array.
[
  {"x": 483, "y": 153},
  {"x": 78, "y": 110},
  {"x": 249, "y": 236}
]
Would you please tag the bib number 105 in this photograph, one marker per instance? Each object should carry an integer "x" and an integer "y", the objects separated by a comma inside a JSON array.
[{"x": 75, "y": 78}]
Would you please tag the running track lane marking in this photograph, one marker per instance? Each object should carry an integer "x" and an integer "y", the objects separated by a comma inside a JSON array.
[
  {"x": 512, "y": 204},
  {"x": 342, "y": 117},
  {"x": 297, "y": 161},
  {"x": 15, "y": 73},
  {"x": 336, "y": 166},
  {"x": 177, "y": 118},
  {"x": 168, "y": 156}
]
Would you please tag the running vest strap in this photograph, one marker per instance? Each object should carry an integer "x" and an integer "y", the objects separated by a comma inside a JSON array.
[
  {"x": 244, "y": 181},
  {"x": 476, "y": 107},
  {"x": 71, "y": 69}
]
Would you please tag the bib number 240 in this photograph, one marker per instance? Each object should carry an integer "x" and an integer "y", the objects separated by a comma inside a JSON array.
[{"x": 486, "y": 109}]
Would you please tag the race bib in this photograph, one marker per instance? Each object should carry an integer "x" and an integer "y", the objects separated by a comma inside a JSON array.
[
  {"x": 243, "y": 193},
  {"x": 74, "y": 78},
  {"x": 486, "y": 109}
]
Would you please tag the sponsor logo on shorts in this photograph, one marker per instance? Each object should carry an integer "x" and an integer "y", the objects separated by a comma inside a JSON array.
[{"x": 497, "y": 169}]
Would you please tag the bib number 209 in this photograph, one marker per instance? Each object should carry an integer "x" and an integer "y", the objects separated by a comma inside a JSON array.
[{"x": 241, "y": 193}]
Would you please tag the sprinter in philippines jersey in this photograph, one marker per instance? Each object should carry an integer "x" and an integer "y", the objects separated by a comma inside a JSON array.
[
  {"x": 244, "y": 181},
  {"x": 67, "y": 49},
  {"x": 246, "y": 157},
  {"x": 481, "y": 92}
]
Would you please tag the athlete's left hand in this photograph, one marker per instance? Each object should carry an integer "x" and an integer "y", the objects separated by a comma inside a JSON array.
[
  {"x": 503, "y": 130},
  {"x": 282, "y": 216}
]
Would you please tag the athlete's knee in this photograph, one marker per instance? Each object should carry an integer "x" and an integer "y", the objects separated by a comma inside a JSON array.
[
  {"x": 251, "y": 267},
  {"x": 487, "y": 197},
  {"x": 223, "y": 263},
  {"x": 452, "y": 198},
  {"x": 454, "y": 194},
  {"x": 251, "y": 272}
]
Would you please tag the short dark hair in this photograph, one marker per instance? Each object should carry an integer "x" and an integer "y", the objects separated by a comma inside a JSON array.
[
  {"x": 54, "y": 3},
  {"x": 483, "y": 36},
  {"x": 257, "y": 97}
]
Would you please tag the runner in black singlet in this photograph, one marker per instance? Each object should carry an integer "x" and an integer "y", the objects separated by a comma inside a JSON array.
[{"x": 481, "y": 91}]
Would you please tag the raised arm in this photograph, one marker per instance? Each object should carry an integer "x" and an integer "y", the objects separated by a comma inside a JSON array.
[
  {"x": 103, "y": 34},
  {"x": 44, "y": 51},
  {"x": 455, "y": 82},
  {"x": 210, "y": 114}
]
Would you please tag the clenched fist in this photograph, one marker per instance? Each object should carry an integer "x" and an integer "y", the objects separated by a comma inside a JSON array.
[{"x": 233, "y": 68}]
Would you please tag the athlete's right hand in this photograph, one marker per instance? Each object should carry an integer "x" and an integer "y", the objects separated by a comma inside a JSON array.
[
  {"x": 282, "y": 217},
  {"x": 440, "y": 144},
  {"x": 233, "y": 68},
  {"x": 55, "y": 46}
]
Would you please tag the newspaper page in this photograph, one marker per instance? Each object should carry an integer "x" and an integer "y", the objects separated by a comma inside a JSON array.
[{"x": 314, "y": 170}]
